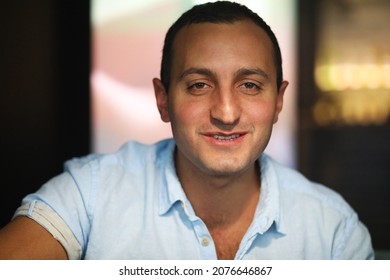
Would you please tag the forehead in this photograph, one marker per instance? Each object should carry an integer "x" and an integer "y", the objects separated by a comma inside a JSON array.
[{"x": 241, "y": 44}]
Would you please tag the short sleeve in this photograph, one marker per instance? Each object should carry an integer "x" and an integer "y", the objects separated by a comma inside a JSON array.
[
  {"x": 67, "y": 200},
  {"x": 356, "y": 242},
  {"x": 359, "y": 246},
  {"x": 53, "y": 223}
]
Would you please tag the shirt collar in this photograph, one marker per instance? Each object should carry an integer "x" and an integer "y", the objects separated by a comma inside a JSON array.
[
  {"x": 268, "y": 208},
  {"x": 171, "y": 190}
]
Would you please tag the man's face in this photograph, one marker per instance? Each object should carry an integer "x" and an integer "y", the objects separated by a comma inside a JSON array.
[{"x": 223, "y": 98}]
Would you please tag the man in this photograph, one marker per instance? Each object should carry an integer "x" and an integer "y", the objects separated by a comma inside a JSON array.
[{"x": 210, "y": 193}]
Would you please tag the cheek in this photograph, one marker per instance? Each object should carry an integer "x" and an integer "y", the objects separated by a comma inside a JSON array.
[
  {"x": 187, "y": 114},
  {"x": 262, "y": 113}
]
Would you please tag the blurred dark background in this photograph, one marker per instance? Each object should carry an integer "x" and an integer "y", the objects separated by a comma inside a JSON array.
[
  {"x": 44, "y": 93},
  {"x": 344, "y": 123},
  {"x": 45, "y": 107}
]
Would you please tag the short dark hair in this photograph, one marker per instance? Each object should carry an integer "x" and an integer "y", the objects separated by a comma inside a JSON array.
[{"x": 216, "y": 12}]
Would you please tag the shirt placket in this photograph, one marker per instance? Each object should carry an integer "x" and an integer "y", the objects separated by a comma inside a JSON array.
[{"x": 205, "y": 241}]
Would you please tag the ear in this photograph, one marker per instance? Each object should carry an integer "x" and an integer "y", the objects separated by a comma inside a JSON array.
[
  {"x": 279, "y": 101},
  {"x": 161, "y": 99}
]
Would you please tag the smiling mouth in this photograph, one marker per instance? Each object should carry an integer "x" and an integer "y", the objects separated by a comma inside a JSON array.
[
  {"x": 220, "y": 137},
  {"x": 226, "y": 138}
]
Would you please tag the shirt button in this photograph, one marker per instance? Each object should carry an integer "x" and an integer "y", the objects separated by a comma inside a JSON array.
[{"x": 205, "y": 242}]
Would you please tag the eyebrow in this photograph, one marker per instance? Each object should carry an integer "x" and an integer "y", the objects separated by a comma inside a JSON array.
[
  {"x": 199, "y": 71},
  {"x": 254, "y": 71},
  {"x": 240, "y": 72}
]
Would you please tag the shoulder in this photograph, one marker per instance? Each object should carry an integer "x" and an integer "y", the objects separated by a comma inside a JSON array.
[
  {"x": 320, "y": 215},
  {"x": 96, "y": 176},
  {"x": 130, "y": 170},
  {"x": 296, "y": 186},
  {"x": 130, "y": 156},
  {"x": 80, "y": 194}
]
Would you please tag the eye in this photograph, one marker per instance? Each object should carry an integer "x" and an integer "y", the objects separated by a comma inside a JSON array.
[
  {"x": 249, "y": 85},
  {"x": 250, "y": 88},
  {"x": 197, "y": 88}
]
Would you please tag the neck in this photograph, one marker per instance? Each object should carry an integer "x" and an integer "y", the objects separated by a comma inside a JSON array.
[{"x": 221, "y": 201}]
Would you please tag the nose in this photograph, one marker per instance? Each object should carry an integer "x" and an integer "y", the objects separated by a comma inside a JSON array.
[{"x": 225, "y": 109}]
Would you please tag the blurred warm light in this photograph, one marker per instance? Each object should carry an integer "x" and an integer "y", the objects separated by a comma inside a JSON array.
[
  {"x": 357, "y": 76},
  {"x": 353, "y": 93},
  {"x": 352, "y": 107},
  {"x": 386, "y": 75}
]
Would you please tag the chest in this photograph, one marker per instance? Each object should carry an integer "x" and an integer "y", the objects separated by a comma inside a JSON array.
[
  {"x": 227, "y": 241},
  {"x": 226, "y": 246}
]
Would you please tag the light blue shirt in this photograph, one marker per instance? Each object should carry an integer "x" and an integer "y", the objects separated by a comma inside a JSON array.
[{"x": 130, "y": 205}]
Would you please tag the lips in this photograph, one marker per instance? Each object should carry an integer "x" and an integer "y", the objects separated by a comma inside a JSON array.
[{"x": 225, "y": 137}]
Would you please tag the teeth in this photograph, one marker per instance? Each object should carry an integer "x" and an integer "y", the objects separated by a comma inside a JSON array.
[{"x": 226, "y": 138}]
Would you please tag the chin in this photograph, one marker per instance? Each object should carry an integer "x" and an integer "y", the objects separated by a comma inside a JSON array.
[{"x": 226, "y": 169}]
